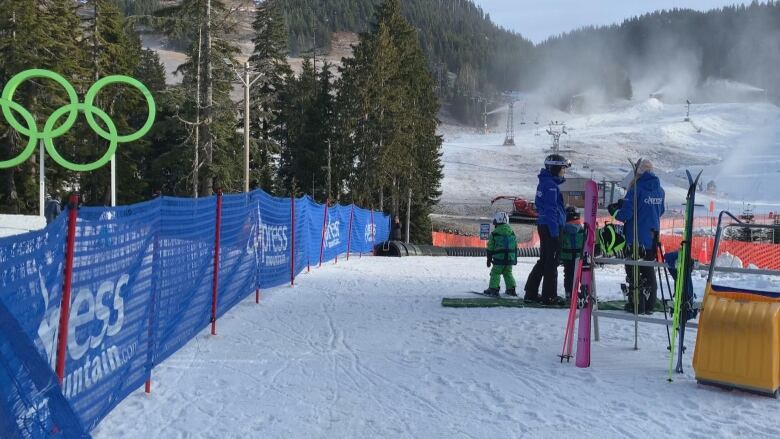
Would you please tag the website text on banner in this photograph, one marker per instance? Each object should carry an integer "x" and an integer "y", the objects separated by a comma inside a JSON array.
[{"x": 143, "y": 284}]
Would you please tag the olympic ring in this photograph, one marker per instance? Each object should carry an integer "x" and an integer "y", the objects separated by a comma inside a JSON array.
[{"x": 50, "y": 132}]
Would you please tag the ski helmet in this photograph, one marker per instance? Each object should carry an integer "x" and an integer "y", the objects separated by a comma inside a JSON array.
[
  {"x": 554, "y": 163},
  {"x": 572, "y": 214},
  {"x": 501, "y": 218}
]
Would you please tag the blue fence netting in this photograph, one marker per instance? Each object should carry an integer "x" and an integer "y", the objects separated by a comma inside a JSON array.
[{"x": 142, "y": 287}]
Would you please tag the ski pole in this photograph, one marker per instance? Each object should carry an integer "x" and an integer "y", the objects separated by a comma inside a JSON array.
[{"x": 663, "y": 297}]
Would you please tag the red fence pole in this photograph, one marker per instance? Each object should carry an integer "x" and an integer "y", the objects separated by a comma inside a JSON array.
[
  {"x": 153, "y": 304},
  {"x": 292, "y": 241},
  {"x": 324, "y": 225},
  {"x": 349, "y": 234},
  {"x": 62, "y": 335},
  {"x": 215, "y": 283}
]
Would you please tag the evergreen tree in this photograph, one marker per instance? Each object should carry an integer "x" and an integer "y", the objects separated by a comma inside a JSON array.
[
  {"x": 204, "y": 95},
  {"x": 296, "y": 134},
  {"x": 37, "y": 35},
  {"x": 387, "y": 112},
  {"x": 113, "y": 49},
  {"x": 269, "y": 60},
  {"x": 166, "y": 168}
]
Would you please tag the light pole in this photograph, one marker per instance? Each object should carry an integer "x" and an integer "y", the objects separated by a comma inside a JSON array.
[{"x": 247, "y": 82}]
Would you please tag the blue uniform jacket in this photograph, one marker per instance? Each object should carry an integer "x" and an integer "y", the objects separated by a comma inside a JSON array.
[
  {"x": 650, "y": 200},
  {"x": 549, "y": 202}
]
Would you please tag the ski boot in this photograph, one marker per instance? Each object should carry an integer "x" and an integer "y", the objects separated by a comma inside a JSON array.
[
  {"x": 511, "y": 292},
  {"x": 554, "y": 301},
  {"x": 493, "y": 292}
]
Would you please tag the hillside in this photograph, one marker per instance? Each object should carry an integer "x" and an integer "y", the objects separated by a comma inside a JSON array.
[
  {"x": 467, "y": 53},
  {"x": 738, "y": 148}
]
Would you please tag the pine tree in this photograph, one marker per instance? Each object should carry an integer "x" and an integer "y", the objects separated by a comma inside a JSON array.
[
  {"x": 297, "y": 134},
  {"x": 113, "y": 49},
  {"x": 167, "y": 166},
  {"x": 387, "y": 111},
  {"x": 37, "y": 35},
  {"x": 269, "y": 60},
  {"x": 204, "y": 95}
]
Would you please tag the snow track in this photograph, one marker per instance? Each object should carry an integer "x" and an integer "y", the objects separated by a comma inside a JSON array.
[{"x": 364, "y": 349}]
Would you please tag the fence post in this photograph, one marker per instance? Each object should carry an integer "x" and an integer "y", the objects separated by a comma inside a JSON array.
[
  {"x": 373, "y": 234},
  {"x": 336, "y": 258},
  {"x": 349, "y": 234},
  {"x": 324, "y": 226},
  {"x": 62, "y": 335},
  {"x": 215, "y": 283},
  {"x": 153, "y": 305},
  {"x": 292, "y": 241}
]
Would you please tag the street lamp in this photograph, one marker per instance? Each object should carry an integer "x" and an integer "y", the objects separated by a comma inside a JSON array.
[{"x": 247, "y": 82}]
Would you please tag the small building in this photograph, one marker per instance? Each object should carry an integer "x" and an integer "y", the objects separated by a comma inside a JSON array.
[
  {"x": 573, "y": 191},
  {"x": 712, "y": 188}
]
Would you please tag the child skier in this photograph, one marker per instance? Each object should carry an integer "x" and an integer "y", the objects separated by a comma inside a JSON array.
[
  {"x": 572, "y": 238},
  {"x": 502, "y": 254}
]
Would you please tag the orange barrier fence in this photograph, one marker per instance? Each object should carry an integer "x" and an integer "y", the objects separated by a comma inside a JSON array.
[
  {"x": 762, "y": 255},
  {"x": 442, "y": 239}
]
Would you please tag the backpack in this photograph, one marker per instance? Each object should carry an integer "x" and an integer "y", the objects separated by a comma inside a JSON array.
[
  {"x": 611, "y": 240},
  {"x": 572, "y": 239}
]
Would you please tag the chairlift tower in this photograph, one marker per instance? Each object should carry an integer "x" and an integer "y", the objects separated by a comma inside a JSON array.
[
  {"x": 509, "y": 140},
  {"x": 556, "y": 130},
  {"x": 522, "y": 115},
  {"x": 510, "y": 97},
  {"x": 484, "y": 115},
  {"x": 687, "y": 110}
]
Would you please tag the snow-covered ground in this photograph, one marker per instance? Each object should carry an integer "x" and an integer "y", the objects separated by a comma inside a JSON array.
[
  {"x": 364, "y": 349},
  {"x": 738, "y": 148},
  {"x": 16, "y": 224}
]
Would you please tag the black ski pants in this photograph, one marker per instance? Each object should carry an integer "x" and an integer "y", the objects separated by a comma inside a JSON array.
[
  {"x": 569, "y": 267},
  {"x": 545, "y": 271},
  {"x": 648, "y": 285}
]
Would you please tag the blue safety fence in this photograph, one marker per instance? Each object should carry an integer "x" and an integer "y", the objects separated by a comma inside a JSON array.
[{"x": 142, "y": 287}]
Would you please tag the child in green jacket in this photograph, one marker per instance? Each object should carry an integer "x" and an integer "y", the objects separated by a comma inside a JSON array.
[
  {"x": 502, "y": 254},
  {"x": 572, "y": 237}
]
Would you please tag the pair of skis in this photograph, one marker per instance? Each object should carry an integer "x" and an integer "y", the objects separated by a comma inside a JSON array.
[
  {"x": 581, "y": 296},
  {"x": 683, "y": 301}
]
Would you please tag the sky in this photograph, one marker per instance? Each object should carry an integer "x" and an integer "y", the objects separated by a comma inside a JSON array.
[{"x": 539, "y": 19}]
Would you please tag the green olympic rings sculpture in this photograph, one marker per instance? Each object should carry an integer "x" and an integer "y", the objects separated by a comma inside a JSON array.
[{"x": 52, "y": 131}]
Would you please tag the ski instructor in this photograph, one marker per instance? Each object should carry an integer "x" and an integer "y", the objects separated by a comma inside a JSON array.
[
  {"x": 650, "y": 206},
  {"x": 552, "y": 216}
]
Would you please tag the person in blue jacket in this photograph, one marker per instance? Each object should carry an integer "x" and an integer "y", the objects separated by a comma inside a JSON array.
[
  {"x": 650, "y": 206},
  {"x": 552, "y": 216}
]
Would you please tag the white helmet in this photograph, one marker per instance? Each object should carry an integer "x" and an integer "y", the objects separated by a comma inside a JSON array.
[{"x": 501, "y": 218}]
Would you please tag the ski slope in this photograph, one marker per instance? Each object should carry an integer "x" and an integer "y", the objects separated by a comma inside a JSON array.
[
  {"x": 16, "y": 224},
  {"x": 738, "y": 147},
  {"x": 363, "y": 349}
]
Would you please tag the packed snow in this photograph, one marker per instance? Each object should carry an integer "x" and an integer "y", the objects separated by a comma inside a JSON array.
[
  {"x": 16, "y": 224},
  {"x": 363, "y": 348}
]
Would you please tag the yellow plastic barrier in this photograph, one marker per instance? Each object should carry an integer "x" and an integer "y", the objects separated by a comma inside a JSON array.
[{"x": 738, "y": 341}]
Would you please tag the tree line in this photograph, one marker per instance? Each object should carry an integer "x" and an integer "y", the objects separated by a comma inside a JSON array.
[{"x": 364, "y": 133}]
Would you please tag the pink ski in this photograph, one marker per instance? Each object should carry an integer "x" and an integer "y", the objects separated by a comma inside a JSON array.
[{"x": 586, "y": 276}]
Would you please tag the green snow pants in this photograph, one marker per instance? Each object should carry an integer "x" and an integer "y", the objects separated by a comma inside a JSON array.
[{"x": 502, "y": 270}]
